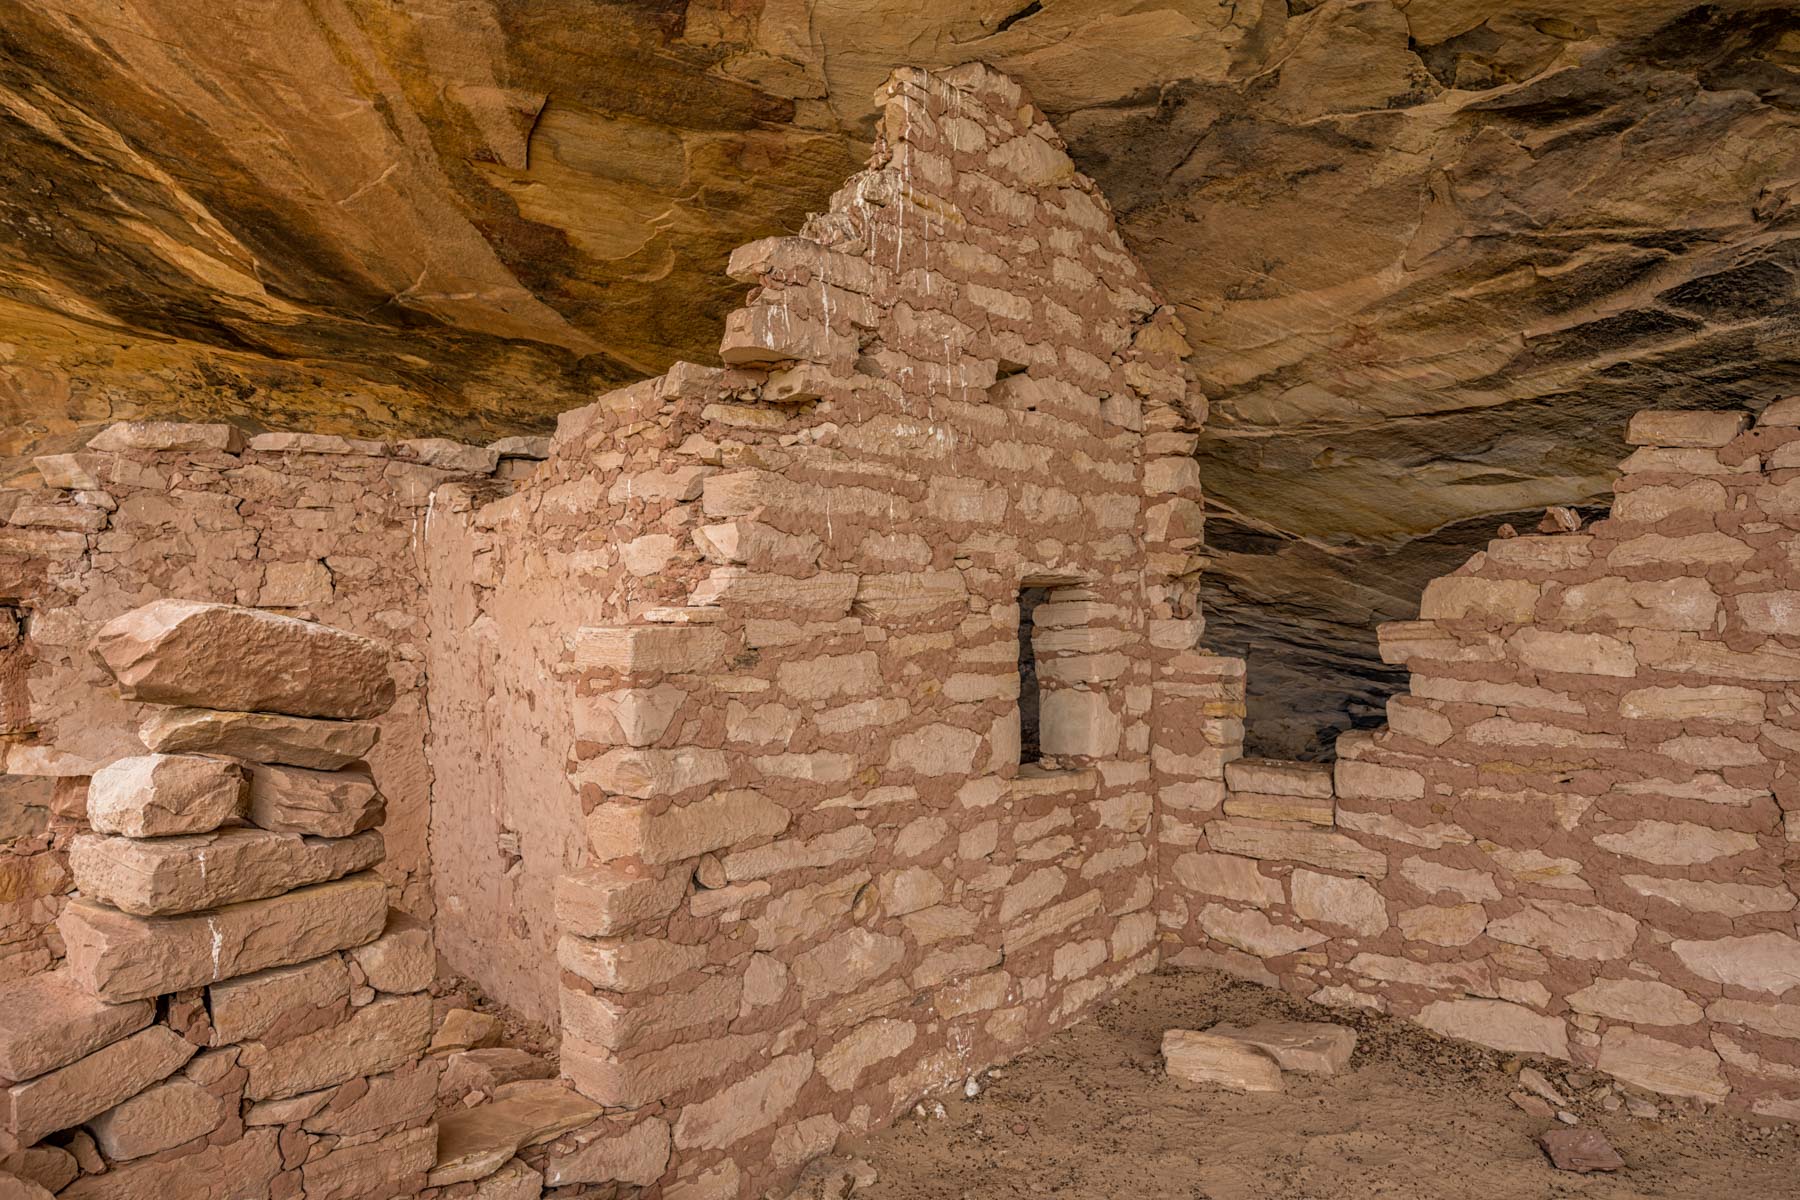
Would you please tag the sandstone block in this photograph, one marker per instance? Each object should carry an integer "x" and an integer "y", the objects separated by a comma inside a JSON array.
[
  {"x": 240, "y": 1170},
  {"x": 51, "y": 1021},
  {"x": 50, "y": 1167},
  {"x": 651, "y": 649},
  {"x": 161, "y": 876},
  {"x": 1371, "y": 781},
  {"x": 402, "y": 959},
  {"x": 392, "y": 1166},
  {"x": 476, "y": 1142},
  {"x": 158, "y": 1118},
  {"x": 1254, "y": 933},
  {"x": 1662, "y": 1066},
  {"x": 513, "y": 1181},
  {"x": 605, "y": 901},
  {"x": 122, "y": 957},
  {"x": 637, "y": 1155},
  {"x": 1568, "y": 929},
  {"x": 1275, "y": 777},
  {"x": 872, "y": 1042},
  {"x": 1759, "y": 962},
  {"x": 1465, "y": 597},
  {"x": 619, "y": 830},
  {"x": 744, "y": 1108},
  {"x": 1574, "y": 653},
  {"x": 1665, "y": 427},
  {"x": 333, "y": 804},
  {"x": 251, "y": 1005},
  {"x": 1676, "y": 843},
  {"x": 1714, "y": 702},
  {"x": 259, "y": 737},
  {"x": 636, "y": 1079},
  {"x": 167, "y": 435},
  {"x": 377, "y": 1037},
  {"x": 1639, "y": 1001},
  {"x": 1226, "y": 1061},
  {"x": 1281, "y": 808},
  {"x": 221, "y": 656},
  {"x": 628, "y": 964},
  {"x": 1230, "y": 876},
  {"x": 607, "y": 1021},
  {"x": 154, "y": 795},
  {"x": 1332, "y": 851},
  {"x": 88, "y": 1087},
  {"x": 1311, "y": 1047},
  {"x": 20, "y": 1187},
  {"x": 1498, "y": 1023},
  {"x": 1337, "y": 900},
  {"x": 465, "y": 1029},
  {"x": 1444, "y": 925},
  {"x": 644, "y": 773}
]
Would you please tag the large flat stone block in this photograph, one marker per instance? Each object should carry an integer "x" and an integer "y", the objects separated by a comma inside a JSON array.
[
  {"x": 156, "y": 795},
  {"x": 331, "y": 804},
  {"x": 163, "y": 876},
  {"x": 119, "y": 957},
  {"x": 223, "y": 656},
  {"x": 259, "y": 737},
  {"x": 50, "y": 1021},
  {"x": 377, "y": 1037},
  {"x": 88, "y": 1087}
]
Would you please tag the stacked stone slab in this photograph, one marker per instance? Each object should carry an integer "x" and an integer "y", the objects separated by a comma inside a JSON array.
[
  {"x": 312, "y": 525},
  {"x": 1578, "y": 835},
  {"x": 239, "y": 1014}
]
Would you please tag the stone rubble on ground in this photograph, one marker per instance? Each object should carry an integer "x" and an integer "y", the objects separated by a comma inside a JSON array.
[{"x": 1580, "y": 1150}]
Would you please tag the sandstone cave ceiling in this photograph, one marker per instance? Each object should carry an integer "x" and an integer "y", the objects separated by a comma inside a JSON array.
[{"x": 1431, "y": 252}]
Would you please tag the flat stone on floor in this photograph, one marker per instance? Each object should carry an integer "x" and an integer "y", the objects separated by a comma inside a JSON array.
[
  {"x": 1209, "y": 1058},
  {"x": 476, "y": 1142},
  {"x": 1311, "y": 1047}
]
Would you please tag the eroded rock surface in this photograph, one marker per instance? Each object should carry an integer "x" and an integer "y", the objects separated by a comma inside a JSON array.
[{"x": 1429, "y": 253}]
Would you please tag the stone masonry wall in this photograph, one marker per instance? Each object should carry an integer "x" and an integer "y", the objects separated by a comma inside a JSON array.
[
  {"x": 785, "y": 873},
  {"x": 324, "y": 527},
  {"x": 1579, "y": 833}
]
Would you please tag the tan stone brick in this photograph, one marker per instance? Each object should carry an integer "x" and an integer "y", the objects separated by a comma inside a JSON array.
[
  {"x": 1445, "y": 925},
  {"x": 154, "y": 795},
  {"x": 1215, "y": 1059},
  {"x": 1758, "y": 962},
  {"x": 1497, "y": 1023},
  {"x": 185, "y": 874},
  {"x": 628, "y": 965},
  {"x": 1666, "y": 427},
  {"x": 122, "y": 957},
  {"x": 402, "y": 959},
  {"x": 51, "y": 1021},
  {"x": 621, "y": 830},
  {"x": 241, "y": 1170},
  {"x": 1465, "y": 597},
  {"x": 375, "y": 1038},
  {"x": 89, "y": 1086},
  {"x": 251, "y": 1005},
  {"x": 636, "y": 1154},
  {"x": 258, "y": 737},
  {"x": 651, "y": 649},
  {"x": 1662, "y": 1066},
  {"x": 606, "y": 901},
  {"x": 1254, "y": 933},
  {"x": 1337, "y": 900},
  {"x": 1568, "y": 929},
  {"x": 394, "y": 1165},
  {"x": 744, "y": 1108},
  {"x": 333, "y": 804},
  {"x": 161, "y": 1117},
  {"x": 1332, "y": 851}
]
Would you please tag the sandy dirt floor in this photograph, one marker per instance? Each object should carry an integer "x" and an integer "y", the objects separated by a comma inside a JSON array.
[{"x": 1091, "y": 1115}]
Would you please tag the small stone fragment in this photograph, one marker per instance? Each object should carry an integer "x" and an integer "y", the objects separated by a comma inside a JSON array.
[
  {"x": 157, "y": 795},
  {"x": 486, "y": 1069},
  {"x": 1582, "y": 1151},
  {"x": 402, "y": 959},
  {"x": 1208, "y": 1058},
  {"x": 1534, "y": 1106},
  {"x": 465, "y": 1029}
]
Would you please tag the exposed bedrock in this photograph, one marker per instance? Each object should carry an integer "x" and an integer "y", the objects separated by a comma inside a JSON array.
[{"x": 1431, "y": 253}]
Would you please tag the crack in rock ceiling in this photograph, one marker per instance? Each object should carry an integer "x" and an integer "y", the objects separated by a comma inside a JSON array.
[{"x": 1431, "y": 252}]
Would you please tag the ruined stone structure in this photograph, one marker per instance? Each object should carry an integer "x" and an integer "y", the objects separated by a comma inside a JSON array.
[
  {"x": 1579, "y": 833},
  {"x": 799, "y": 736}
]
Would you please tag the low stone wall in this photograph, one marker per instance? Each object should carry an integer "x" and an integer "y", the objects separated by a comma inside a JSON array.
[
  {"x": 1579, "y": 833},
  {"x": 323, "y": 527}
]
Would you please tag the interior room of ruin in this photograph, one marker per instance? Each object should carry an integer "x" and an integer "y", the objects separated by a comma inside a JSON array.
[{"x": 715, "y": 599}]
